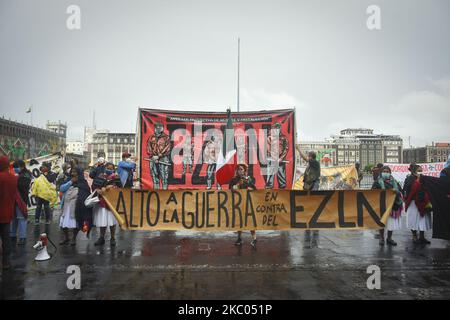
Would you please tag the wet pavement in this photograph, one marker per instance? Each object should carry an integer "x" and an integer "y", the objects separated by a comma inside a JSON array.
[{"x": 197, "y": 265}]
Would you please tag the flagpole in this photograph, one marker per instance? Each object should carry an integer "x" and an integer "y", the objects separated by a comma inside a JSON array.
[{"x": 239, "y": 45}]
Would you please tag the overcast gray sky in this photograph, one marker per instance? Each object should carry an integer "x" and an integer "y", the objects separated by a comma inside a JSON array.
[{"x": 318, "y": 56}]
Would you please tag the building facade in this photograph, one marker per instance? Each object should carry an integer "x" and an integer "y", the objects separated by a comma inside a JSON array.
[
  {"x": 437, "y": 152},
  {"x": 111, "y": 146},
  {"x": 357, "y": 145},
  {"x": 22, "y": 141},
  {"x": 75, "y": 147}
]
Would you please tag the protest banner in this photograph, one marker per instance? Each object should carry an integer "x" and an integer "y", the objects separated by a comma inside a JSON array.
[
  {"x": 178, "y": 150},
  {"x": 334, "y": 178},
  {"x": 400, "y": 170},
  {"x": 230, "y": 210}
]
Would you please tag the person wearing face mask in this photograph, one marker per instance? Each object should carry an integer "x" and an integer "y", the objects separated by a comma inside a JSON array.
[
  {"x": 125, "y": 170},
  {"x": 19, "y": 222},
  {"x": 242, "y": 180},
  {"x": 386, "y": 181},
  {"x": 68, "y": 203},
  {"x": 45, "y": 195},
  {"x": 103, "y": 216},
  {"x": 98, "y": 169},
  {"x": 74, "y": 212},
  {"x": 418, "y": 205}
]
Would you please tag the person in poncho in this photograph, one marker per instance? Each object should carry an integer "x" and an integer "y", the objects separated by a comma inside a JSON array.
[
  {"x": 74, "y": 212},
  {"x": 45, "y": 195},
  {"x": 418, "y": 205},
  {"x": 387, "y": 182},
  {"x": 103, "y": 216}
]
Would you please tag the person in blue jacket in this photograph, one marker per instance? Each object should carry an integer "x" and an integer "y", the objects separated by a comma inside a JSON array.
[{"x": 125, "y": 170}]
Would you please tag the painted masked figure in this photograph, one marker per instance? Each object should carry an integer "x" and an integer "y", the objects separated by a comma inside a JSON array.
[
  {"x": 188, "y": 155},
  {"x": 211, "y": 159},
  {"x": 158, "y": 149},
  {"x": 277, "y": 149}
]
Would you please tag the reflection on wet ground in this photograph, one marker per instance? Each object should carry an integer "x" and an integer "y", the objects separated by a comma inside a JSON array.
[{"x": 196, "y": 265}]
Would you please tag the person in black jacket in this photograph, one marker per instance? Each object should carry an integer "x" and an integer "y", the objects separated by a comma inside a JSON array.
[
  {"x": 83, "y": 214},
  {"x": 243, "y": 181},
  {"x": 19, "y": 222},
  {"x": 98, "y": 169}
]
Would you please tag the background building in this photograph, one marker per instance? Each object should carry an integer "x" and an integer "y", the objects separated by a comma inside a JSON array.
[
  {"x": 22, "y": 141},
  {"x": 353, "y": 145},
  {"x": 437, "y": 152},
  {"x": 75, "y": 147},
  {"x": 111, "y": 146}
]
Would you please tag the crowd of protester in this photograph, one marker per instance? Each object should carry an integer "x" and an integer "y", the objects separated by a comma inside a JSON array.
[
  {"x": 83, "y": 207},
  {"x": 81, "y": 204}
]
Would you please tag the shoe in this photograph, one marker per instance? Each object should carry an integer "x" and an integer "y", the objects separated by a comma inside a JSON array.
[
  {"x": 99, "y": 242},
  {"x": 112, "y": 242},
  {"x": 73, "y": 242},
  {"x": 36, "y": 222},
  {"x": 13, "y": 239},
  {"x": 381, "y": 242},
  {"x": 391, "y": 242},
  {"x": 253, "y": 243},
  {"x": 238, "y": 242},
  {"x": 48, "y": 222},
  {"x": 22, "y": 242},
  {"x": 424, "y": 241},
  {"x": 64, "y": 242}
]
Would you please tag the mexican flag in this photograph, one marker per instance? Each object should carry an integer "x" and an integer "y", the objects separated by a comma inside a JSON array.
[{"x": 227, "y": 159}]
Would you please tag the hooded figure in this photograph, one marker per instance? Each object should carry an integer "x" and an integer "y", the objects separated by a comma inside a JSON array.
[
  {"x": 8, "y": 190},
  {"x": 82, "y": 213}
]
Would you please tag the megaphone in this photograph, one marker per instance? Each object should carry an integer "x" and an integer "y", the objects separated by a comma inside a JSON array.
[{"x": 41, "y": 247}]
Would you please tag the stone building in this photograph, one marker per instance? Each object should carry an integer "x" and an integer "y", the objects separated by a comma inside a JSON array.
[
  {"x": 111, "y": 146},
  {"x": 22, "y": 141},
  {"x": 437, "y": 152},
  {"x": 353, "y": 145}
]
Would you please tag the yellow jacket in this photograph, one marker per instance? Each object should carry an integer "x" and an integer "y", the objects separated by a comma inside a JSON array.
[{"x": 45, "y": 190}]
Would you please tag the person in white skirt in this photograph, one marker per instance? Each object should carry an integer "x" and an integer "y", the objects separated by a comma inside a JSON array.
[
  {"x": 386, "y": 181},
  {"x": 418, "y": 205},
  {"x": 103, "y": 217},
  {"x": 68, "y": 204}
]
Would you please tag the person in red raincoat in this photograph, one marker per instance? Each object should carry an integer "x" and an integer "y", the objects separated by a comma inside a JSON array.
[{"x": 8, "y": 190}]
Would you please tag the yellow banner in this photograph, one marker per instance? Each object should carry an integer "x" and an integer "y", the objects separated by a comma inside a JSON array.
[
  {"x": 334, "y": 178},
  {"x": 232, "y": 210}
]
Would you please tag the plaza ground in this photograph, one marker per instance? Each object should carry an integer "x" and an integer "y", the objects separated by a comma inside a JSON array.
[{"x": 195, "y": 265}]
